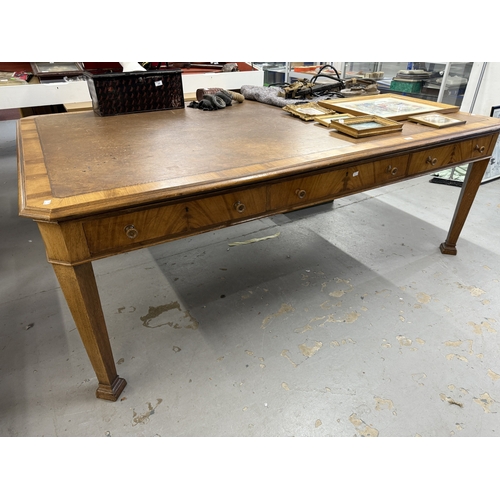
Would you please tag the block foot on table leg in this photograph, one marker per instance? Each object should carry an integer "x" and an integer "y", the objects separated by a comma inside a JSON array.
[
  {"x": 448, "y": 249},
  {"x": 111, "y": 392}
]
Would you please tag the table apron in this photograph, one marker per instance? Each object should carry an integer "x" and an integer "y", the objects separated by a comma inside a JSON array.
[{"x": 77, "y": 241}]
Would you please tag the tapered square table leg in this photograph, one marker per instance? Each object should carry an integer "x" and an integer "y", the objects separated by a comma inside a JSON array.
[
  {"x": 80, "y": 290},
  {"x": 471, "y": 184}
]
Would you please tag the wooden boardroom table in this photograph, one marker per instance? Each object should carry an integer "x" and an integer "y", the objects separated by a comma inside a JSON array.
[{"x": 100, "y": 186}]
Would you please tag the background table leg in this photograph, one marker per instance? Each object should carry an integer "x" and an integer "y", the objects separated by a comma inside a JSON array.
[
  {"x": 472, "y": 181},
  {"x": 80, "y": 290}
]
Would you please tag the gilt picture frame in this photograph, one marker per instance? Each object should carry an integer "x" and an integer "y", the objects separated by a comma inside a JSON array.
[
  {"x": 436, "y": 120},
  {"x": 367, "y": 126},
  {"x": 307, "y": 111},
  {"x": 330, "y": 119},
  {"x": 390, "y": 106}
]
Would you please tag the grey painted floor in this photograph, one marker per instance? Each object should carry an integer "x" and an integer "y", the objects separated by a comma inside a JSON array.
[{"x": 347, "y": 322}]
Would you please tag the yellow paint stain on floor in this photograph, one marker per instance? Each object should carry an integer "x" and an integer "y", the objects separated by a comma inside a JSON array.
[
  {"x": 449, "y": 357},
  {"x": 309, "y": 327},
  {"x": 338, "y": 343},
  {"x": 453, "y": 343},
  {"x": 285, "y": 386},
  {"x": 303, "y": 329},
  {"x": 383, "y": 404},
  {"x": 309, "y": 351},
  {"x": 423, "y": 298},
  {"x": 470, "y": 342},
  {"x": 458, "y": 343},
  {"x": 362, "y": 428},
  {"x": 351, "y": 317},
  {"x": 473, "y": 290},
  {"x": 144, "y": 417},
  {"x": 494, "y": 376},
  {"x": 419, "y": 377},
  {"x": 286, "y": 354},
  {"x": 451, "y": 401},
  {"x": 285, "y": 308},
  {"x": 403, "y": 340},
  {"x": 339, "y": 293},
  {"x": 166, "y": 315},
  {"x": 485, "y": 401},
  {"x": 485, "y": 325}
]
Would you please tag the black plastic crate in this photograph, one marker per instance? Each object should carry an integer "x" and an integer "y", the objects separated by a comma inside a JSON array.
[{"x": 135, "y": 92}]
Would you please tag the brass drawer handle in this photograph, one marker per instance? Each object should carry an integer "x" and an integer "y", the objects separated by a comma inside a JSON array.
[
  {"x": 131, "y": 231},
  {"x": 432, "y": 161},
  {"x": 393, "y": 171},
  {"x": 240, "y": 207},
  {"x": 301, "y": 193},
  {"x": 479, "y": 148}
]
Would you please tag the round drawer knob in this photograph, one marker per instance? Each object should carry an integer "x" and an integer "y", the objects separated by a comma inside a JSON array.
[
  {"x": 301, "y": 193},
  {"x": 431, "y": 160},
  {"x": 240, "y": 207},
  {"x": 479, "y": 148},
  {"x": 131, "y": 231},
  {"x": 394, "y": 171}
]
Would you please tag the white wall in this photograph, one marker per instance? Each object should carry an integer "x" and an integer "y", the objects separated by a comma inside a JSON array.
[{"x": 479, "y": 101}]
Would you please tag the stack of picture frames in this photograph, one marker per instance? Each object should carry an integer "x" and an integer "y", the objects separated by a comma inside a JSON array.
[{"x": 377, "y": 114}]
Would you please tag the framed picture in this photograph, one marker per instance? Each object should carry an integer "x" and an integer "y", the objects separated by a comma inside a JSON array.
[
  {"x": 307, "y": 111},
  {"x": 366, "y": 126},
  {"x": 329, "y": 120},
  {"x": 391, "y": 106},
  {"x": 495, "y": 112},
  {"x": 436, "y": 120},
  {"x": 493, "y": 169},
  {"x": 53, "y": 70}
]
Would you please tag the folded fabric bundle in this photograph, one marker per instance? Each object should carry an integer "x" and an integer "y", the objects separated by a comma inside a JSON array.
[{"x": 269, "y": 95}]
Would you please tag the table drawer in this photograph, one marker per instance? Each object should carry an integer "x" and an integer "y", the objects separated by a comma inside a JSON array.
[
  {"x": 451, "y": 154},
  {"x": 306, "y": 190},
  {"x": 216, "y": 210},
  {"x": 127, "y": 231},
  {"x": 133, "y": 229},
  {"x": 391, "y": 169}
]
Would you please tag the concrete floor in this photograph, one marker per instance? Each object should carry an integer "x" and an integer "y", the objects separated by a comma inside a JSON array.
[{"x": 348, "y": 322}]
